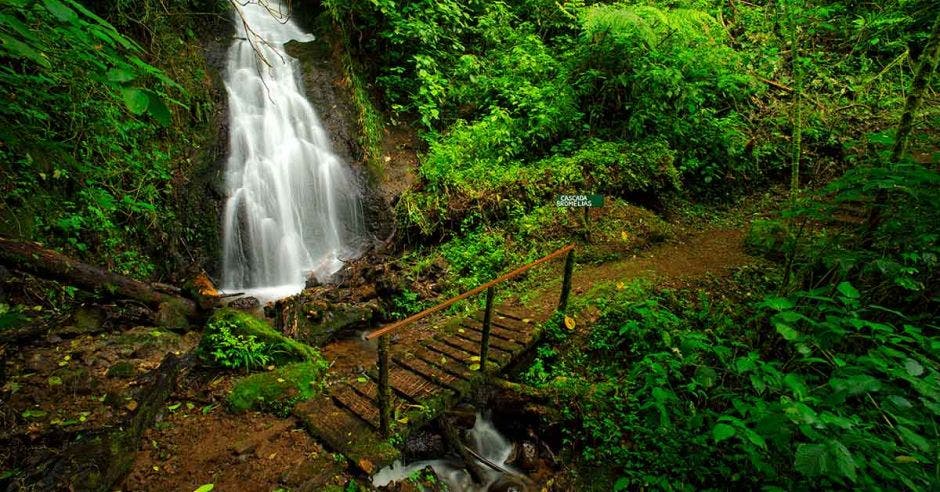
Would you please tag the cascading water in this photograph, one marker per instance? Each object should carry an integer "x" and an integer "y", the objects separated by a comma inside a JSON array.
[
  {"x": 293, "y": 207},
  {"x": 483, "y": 438}
]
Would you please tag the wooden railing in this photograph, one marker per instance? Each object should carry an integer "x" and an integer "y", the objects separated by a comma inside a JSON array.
[{"x": 383, "y": 333}]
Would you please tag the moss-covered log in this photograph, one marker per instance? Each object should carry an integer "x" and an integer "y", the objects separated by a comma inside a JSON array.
[{"x": 37, "y": 260}]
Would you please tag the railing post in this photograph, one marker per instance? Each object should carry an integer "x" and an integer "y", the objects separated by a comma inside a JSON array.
[
  {"x": 566, "y": 282},
  {"x": 384, "y": 393},
  {"x": 487, "y": 321}
]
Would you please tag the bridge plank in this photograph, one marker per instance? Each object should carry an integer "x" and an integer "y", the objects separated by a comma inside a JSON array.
[
  {"x": 355, "y": 402},
  {"x": 499, "y": 357},
  {"x": 445, "y": 363},
  {"x": 476, "y": 337},
  {"x": 495, "y": 331},
  {"x": 338, "y": 429},
  {"x": 411, "y": 385},
  {"x": 429, "y": 371}
]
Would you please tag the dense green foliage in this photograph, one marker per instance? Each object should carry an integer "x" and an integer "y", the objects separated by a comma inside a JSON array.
[
  {"x": 93, "y": 155},
  {"x": 524, "y": 99}
]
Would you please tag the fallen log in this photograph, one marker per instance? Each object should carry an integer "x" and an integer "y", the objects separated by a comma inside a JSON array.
[
  {"x": 99, "y": 460},
  {"x": 35, "y": 259}
]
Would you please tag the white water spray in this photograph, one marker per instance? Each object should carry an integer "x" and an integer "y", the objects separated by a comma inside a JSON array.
[
  {"x": 293, "y": 207},
  {"x": 483, "y": 438}
]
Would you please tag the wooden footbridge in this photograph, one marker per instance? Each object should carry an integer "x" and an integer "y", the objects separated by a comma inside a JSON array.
[{"x": 416, "y": 378}]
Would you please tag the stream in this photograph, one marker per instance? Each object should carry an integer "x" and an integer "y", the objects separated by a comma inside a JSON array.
[
  {"x": 484, "y": 439},
  {"x": 293, "y": 208}
]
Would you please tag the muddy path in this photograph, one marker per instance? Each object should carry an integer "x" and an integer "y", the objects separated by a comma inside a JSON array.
[{"x": 681, "y": 262}]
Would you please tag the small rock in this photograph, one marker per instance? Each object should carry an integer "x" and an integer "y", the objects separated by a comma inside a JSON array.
[
  {"x": 244, "y": 446},
  {"x": 508, "y": 483},
  {"x": 527, "y": 457},
  {"x": 246, "y": 303}
]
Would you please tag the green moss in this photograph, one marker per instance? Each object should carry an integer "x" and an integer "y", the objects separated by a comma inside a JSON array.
[
  {"x": 277, "y": 391},
  {"x": 228, "y": 324}
]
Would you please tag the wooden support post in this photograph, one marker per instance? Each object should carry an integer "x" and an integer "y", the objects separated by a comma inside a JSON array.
[
  {"x": 566, "y": 282},
  {"x": 587, "y": 224},
  {"x": 385, "y": 395},
  {"x": 487, "y": 320}
]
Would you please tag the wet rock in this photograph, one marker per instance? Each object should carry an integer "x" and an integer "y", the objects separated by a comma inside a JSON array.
[
  {"x": 425, "y": 480},
  {"x": 424, "y": 446},
  {"x": 508, "y": 483},
  {"x": 246, "y": 303},
  {"x": 526, "y": 456}
]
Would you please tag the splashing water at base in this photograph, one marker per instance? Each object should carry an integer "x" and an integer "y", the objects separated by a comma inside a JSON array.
[
  {"x": 293, "y": 207},
  {"x": 483, "y": 438}
]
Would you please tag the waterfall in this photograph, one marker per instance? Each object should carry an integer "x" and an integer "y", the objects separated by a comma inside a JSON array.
[{"x": 293, "y": 207}]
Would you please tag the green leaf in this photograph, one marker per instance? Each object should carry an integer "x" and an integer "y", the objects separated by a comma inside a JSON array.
[
  {"x": 205, "y": 488},
  {"x": 847, "y": 290},
  {"x": 20, "y": 49},
  {"x": 786, "y": 331},
  {"x": 844, "y": 462},
  {"x": 778, "y": 303},
  {"x": 158, "y": 110},
  {"x": 722, "y": 431},
  {"x": 121, "y": 75},
  {"x": 913, "y": 367},
  {"x": 136, "y": 100},
  {"x": 811, "y": 460},
  {"x": 60, "y": 11},
  {"x": 914, "y": 439}
]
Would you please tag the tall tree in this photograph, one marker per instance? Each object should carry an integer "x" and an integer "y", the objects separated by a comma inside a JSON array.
[{"x": 926, "y": 66}]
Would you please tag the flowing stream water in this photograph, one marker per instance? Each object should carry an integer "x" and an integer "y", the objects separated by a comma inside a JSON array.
[
  {"x": 293, "y": 208},
  {"x": 483, "y": 438}
]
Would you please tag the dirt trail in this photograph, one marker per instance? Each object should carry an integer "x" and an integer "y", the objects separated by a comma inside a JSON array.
[{"x": 673, "y": 264}]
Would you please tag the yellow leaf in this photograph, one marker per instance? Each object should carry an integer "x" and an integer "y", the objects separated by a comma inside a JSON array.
[
  {"x": 620, "y": 286},
  {"x": 474, "y": 367},
  {"x": 443, "y": 360},
  {"x": 461, "y": 330},
  {"x": 475, "y": 358},
  {"x": 623, "y": 235},
  {"x": 280, "y": 380},
  {"x": 403, "y": 420},
  {"x": 569, "y": 322},
  {"x": 526, "y": 320}
]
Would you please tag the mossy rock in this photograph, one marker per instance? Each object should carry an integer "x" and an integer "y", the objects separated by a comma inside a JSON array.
[
  {"x": 277, "y": 391},
  {"x": 279, "y": 348}
]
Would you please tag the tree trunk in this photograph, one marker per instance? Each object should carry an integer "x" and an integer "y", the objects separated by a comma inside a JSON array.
[
  {"x": 926, "y": 66},
  {"x": 34, "y": 259}
]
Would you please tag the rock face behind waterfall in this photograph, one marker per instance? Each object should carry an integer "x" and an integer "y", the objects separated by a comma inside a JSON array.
[{"x": 328, "y": 89}]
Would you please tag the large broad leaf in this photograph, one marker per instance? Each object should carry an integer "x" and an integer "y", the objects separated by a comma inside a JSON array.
[
  {"x": 842, "y": 458},
  {"x": 914, "y": 439},
  {"x": 913, "y": 367},
  {"x": 157, "y": 109},
  {"x": 135, "y": 99},
  {"x": 19, "y": 49},
  {"x": 60, "y": 11},
  {"x": 811, "y": 460},
  {"x": 722, "y": 431},
  {"x": 778, "y": 303},
  {"x": 847, "y": 290},
  {"x": 786, "y": 331},
  {"x": 118, "y": 74}
]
